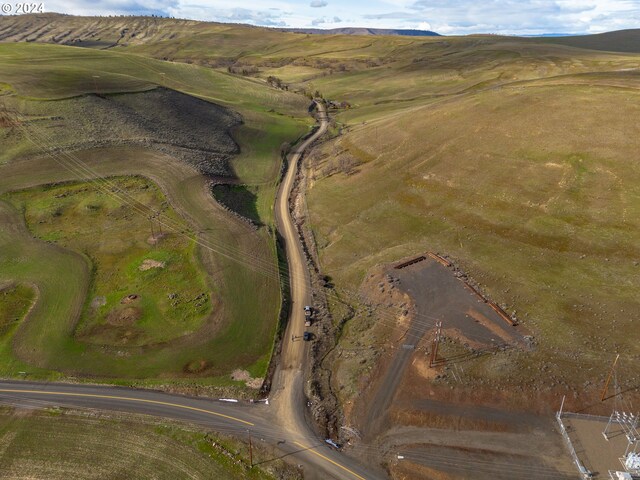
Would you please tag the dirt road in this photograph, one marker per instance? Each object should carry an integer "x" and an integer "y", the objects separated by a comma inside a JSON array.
[
  {"x": 288, "y": 398},
  {"x": 288, "y": 388}
]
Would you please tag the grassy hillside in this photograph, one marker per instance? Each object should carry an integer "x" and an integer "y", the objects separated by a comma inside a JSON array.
[
  {"x": 96, "y": 32},
  {"x": 532, "y": 187},
  {"x": 103, "y": 111},
  {"x": 618, "y": 41},
  {"x": 39, "y": 73}
]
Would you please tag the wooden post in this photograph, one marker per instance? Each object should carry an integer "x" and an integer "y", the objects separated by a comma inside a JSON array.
[
  {"x": 434, "y": 345},
  {"x": 606, "y": 384}
]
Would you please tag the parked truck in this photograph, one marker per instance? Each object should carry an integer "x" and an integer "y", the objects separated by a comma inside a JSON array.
[{"x": 307, "y": 315}]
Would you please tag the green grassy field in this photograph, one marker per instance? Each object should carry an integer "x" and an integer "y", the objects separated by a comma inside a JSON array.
[
  {"x": 46, "y": 342},
  {"x": 62, "y": 444},
  {"x": 15, "y": 301},
  {"x": 171, "y": 298}
]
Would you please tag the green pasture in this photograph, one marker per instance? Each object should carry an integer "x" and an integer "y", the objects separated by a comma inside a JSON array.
[
  {"x": 171, "y": 296},
  {"x": 74, "y": 327}
]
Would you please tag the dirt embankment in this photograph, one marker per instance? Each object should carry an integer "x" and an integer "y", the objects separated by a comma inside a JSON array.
[{"x": 192, "y": 130}]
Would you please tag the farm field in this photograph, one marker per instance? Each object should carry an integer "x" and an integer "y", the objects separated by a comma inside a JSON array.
[{"x": 58, "y": 444}]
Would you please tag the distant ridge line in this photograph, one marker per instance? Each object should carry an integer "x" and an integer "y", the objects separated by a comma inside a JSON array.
[{"x": 363, "y": 31}]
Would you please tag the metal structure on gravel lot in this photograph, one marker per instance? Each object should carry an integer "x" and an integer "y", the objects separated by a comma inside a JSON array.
[{"x": 601, "y": 447}]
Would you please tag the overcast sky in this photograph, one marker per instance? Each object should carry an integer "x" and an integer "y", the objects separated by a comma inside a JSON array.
[{"x": 523, "y": 17}]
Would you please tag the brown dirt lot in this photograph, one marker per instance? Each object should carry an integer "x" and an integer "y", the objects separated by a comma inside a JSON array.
[
  {"x": 454, "y": 431},
  {"x": 434, "y": 293}
]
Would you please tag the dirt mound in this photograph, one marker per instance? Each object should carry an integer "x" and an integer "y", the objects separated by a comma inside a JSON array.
[
  {"x": 196, "y": 366},
  {"x": 132, "y": 297},
  {"x": 244, "y": 376},
  {"x": 149, "y": 263},
  {"x": 124, "y": 317}
]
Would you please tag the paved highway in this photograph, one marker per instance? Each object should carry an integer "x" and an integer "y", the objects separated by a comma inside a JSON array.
[{"x": 282, "y": 422}]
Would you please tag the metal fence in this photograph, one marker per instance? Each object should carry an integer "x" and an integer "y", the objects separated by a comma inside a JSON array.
[{"x": 585, "y": 474}]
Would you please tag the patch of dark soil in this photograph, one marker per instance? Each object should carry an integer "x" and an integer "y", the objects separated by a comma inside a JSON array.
[
  {"x": 436, "y": 294},
  {"x": 113, "y": 334},
  {"x": 468, "y": 463},
  {"x": 124, "y": 317},
  {"x": 192, "y": 130},
  {"x": 508, "y": 419}
]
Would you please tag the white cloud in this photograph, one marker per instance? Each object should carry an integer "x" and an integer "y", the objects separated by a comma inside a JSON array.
[
  {"x": 318, "y": 3},
  {"x": 322, "y": 20}
]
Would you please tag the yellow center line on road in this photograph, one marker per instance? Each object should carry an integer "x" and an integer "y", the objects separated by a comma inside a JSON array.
[
  {"x": 129, "y": 399},
  {"x": 329, "y": 460}
]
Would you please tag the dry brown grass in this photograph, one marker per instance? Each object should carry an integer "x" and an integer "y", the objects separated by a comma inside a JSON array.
[{"x": 532, "y": 187}]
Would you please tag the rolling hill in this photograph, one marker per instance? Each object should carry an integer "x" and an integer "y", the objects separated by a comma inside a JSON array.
[
  {"x": 363, "y": 31},
  {"x": 515, "y": 157},
  {"x": 618, "y": 41},
  {"x": 442, "y": 86}
]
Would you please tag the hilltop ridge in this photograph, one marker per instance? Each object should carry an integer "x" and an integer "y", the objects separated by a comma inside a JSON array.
[
  {"x": 364, "y": 31},
  {"x": 140, "y": 31}
]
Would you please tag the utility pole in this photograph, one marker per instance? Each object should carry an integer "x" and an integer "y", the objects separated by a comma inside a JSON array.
[
  {"x": 156, "y": 215},
  {"x": 153, "y": 235},
  {"x": 606, "y": 384},
  {"x": 434, "y": 344}
]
